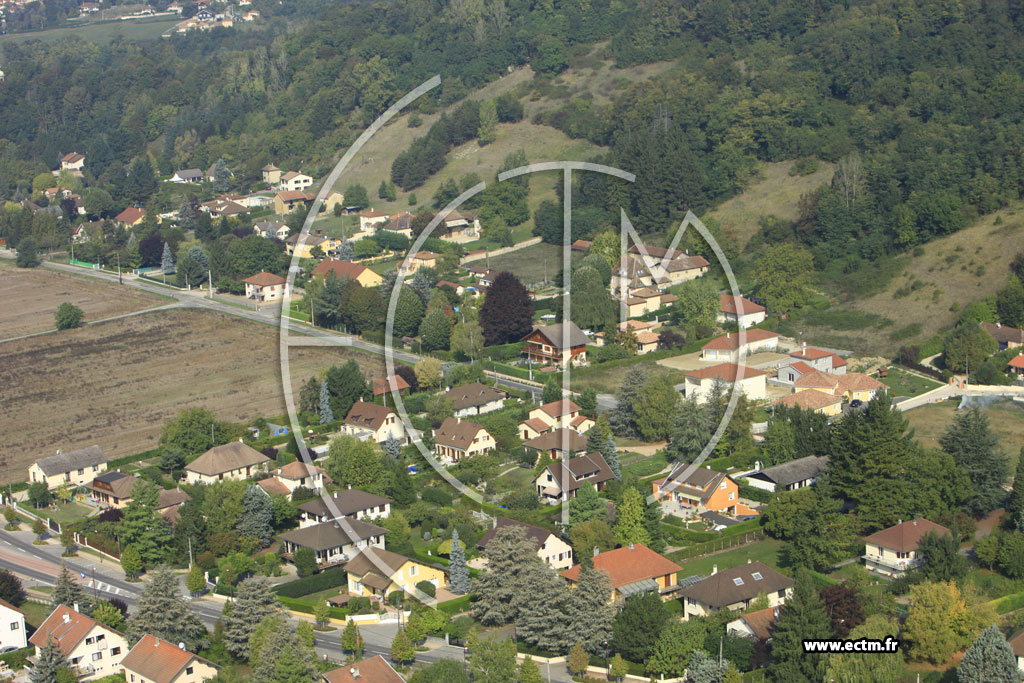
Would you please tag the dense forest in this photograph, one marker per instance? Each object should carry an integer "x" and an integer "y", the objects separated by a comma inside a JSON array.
[{"x": 919, "y": 103}]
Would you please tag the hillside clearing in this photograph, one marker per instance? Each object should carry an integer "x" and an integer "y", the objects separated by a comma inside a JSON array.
[
  {"x": 114, "y": 384},
  {"x": 1006, "y": 418}
]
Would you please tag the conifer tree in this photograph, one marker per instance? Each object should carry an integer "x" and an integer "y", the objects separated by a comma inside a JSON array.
[
  {"x": 975, "y": 449},
  {"x": 704, "y": 669},
  {"x": 578, "y": 660},
  {"x": 529, "y": 672},
  {"x": 803, "y": 618},
  {"x": 457, "y": 566},
  {"x": 989, "y": 660},
  {"x": 611, "y": 456},
  {"x": 257, "y": 520},
  {"x": 142, "y": 527},
  {"x": 589, "y": 611},
  {"x": 542, "y": 619},
  {"x": 254, "y": 600},
  {"x": 392, "y": 447},
  {"x": 50, "y": 660},
  {"x": 512, "y": 563},
  {"x": 67, "y": 591},
  {"x": 326, "y": 415},
  {"x": 164, "y": 613},
  {"x": 351, "y": 641},
  {"x": 691, "y": 431},
  {"x": 1016, "y": 504}
]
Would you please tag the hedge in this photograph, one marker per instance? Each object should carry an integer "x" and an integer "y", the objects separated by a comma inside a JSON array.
[
  {"x": 427, "y": 588},
  {"x": 754, "y": 493},
  {"x": 329, "y": 578},
  {"x": 1007, "y": 603},
  {"x": 307, "y": 608},
  {"x": 18, "y": 659}
]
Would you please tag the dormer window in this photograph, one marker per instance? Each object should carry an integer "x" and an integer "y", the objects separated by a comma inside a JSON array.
[{"x": 757, "y": 576}]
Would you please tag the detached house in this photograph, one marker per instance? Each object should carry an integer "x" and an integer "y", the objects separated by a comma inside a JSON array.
[
  {"x": 559, "y": 344},
  {"x": 560, "y": 414},
  {"x": 350, "y": 503},
  {"x": 91, "y": 649},
  {"x": 270, "y": 174},
  {"x": 814, "y": 401},
  {"x": 370, "y": 218},
  {"x": 700, "y": 384},
  {"x": 701, "y": 491},
  {"x": 346, "y": 270},
  {"x": 558, "y": 482},
  {"x": 74, "y": 467},
  {"x": 113, "y": 489},
  {"x": 286, "y": 479},
  {"x": 632, "y": 570},
  {"x": 12, "y": 627},
  {"x": 645, "y": 300},
  {"x": 375, "y": 572},
  {"x": 893, "y": 551},
  {"x": 475, "y": 399},
  {"x": 550, "y": 548},
  {"x": 756, "y": 625},
  {"x": 189, "y": 175},
  {"x": 234, "y": 460},
  {"x": 421, "y": 259},
  {"x": 1017, "y": 645},
  {"x": 371, "y": 421},
  {"x": 670, "y": 267},
  {"x": 264, "y": 286},
  {"x": 334, "y": 542},
  {"x": 154, "y": 660},
  {"x": 456, "y": 439},
  {"x": 458, "y": 226},
  {"x": 293, "y": 181},
  {"x": 736, "y": 309},
  {"x": 788, "y": 476},
  {"x": 271, "y": 228},
  {"x": 289, "y": 200},
  {"x": 1007, "y": 337},
  {"x": 72, "y": 162},
  {"x": 734, "y": 589},
  {"x": 556, "y": 443},
  {"x": 375, "y": 669},
  {"x": 130, "y": 216},
  {"x": 728, "y": 347}
]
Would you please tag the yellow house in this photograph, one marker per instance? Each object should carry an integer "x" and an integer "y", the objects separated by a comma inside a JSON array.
[
  {"x": 813, "y": 400},
  {"x": 346, "y": 270},
  {"x": 893, "y": 551},
  {"x": 287, "y": 201},
  {"x": 77, "y": 468},
  {"x": 385, "y": 572},
  {"x": 856, "y": 386},
  {"x": 154, "y": 660},
  {"x": 632, "y": 570}
]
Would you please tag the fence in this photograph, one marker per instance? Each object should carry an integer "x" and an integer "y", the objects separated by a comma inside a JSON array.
[
  {"x": 479, "y": 256},
  {"x": 718, "y": 545}
]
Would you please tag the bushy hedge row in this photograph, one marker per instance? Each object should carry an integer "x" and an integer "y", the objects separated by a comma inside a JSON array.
[
  {"x": 307, "y": 607},
  {"x": 455, "y": 605},
  {"x": 754, "y": 493},
  {"x": 1007, "y": 603},
  {"x": 329, "y": 578}
]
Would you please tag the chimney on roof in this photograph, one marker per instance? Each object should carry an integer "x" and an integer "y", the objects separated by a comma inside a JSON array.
[
  {"x": 630, "y": 546},
  {"x": 999, "y": 324},
  {"x": 714, "y": 569},
  {"x": 239, "y": 439},
  {"x": 748, "y": 560},
  {"x": 350, "y": 487},
  {"x": 775, "y": 613},
  {"x": 494, "y": 522},
  {"x": 181, "y": 646},
  {"x": 915, "y": 522},
  {"x": 67, "y": 617},
  {"x": 596, "y": 552},
  {"x": 354, "y": 671}
]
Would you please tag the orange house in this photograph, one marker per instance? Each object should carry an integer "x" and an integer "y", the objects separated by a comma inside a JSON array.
[{"x": 702, "y": 491}]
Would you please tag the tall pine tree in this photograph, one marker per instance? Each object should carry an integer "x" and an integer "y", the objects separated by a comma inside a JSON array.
[
  {"x": 67, "y": 591},
  {"x": 1016, "y": 505},
  {"x": 457, "y": 566},
  {"x": 588, "y": 610},
  {"x": 254, "y": 600},
  {"x": 48, "y": 663},
  {"x": 164, "y": 613},
  {"x": 326, "y": 414},
  {"x": 802, "y": 618},
  {"x": 989, "y": 660},
  {"x": 142, "y": 527},
  {"x": 257, "y": 520},
  {"x": 975, "y": 449}
]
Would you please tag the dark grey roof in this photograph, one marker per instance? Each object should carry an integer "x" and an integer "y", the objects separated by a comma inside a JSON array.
[
  {"x": 793, "y": 471},
  {"x": 555, "y": 333},
  {"x": 536, "y": 534},
  {"x": 721, "y": 589},
  {"x": 71, "y": 460},
  {"x": 474, "y": 394},
  {"x": 333, "y": 534},
  {"x": 716, "y": 518},
  {"x": 348, "y": 502}
]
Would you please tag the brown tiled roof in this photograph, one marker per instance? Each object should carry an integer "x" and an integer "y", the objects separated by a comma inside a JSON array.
[
  {"x": 169, "y": 497},
  {"x": 681, "y": 263},
  {"x": 341, "y": 269},
  {"x": 581, "y": 245},
  {"x": 372, "y": 213},
  {"x": 371, "y": 670},
  {"x": 816, "y": 378},
  {"x": 563, "y": 406},
  {"x": 727, "y": 303},
  {"x": 297, "y": 470},
  {"x": 731, "y": 341},
  {"x": 701, "y": 483},
  {"x": 68, "y": 635},
  {"x": 474, "y": 395},
  {"x": 592, "y": 467},
  {"x": 273, "y": 485},
  {"x": 727, "y": 372},
  {"x": 535, "y": 533},
  {"x": 294, "y": 195},
  {"x": 856, "y": 381},
  {"x": 1003, "y": 333},
  {"x": 331, "y": 534},
  {"x": 555, "y": 439},
  {"x": 347, "y": 502},
  {"x": 363, "y": 563},
  {"x": 368, "y": 415},
  {"x": 264, "y": 279},
  {"x": 424, "y": 256},
  {"x": 118, "y": 484},
  {"x": 809, "y": 399},
  {"x": 722, "y": 589},
  {"x": 130, "y": 215},
  {"x": 905, "y": 536},
  {"x": 802, "y": 367},
  {"x": 554, "y": 334},
  {"x": 810, "y": 353},
  {"x": 628, "y": 565},
  {"x": 72, "y": 157},
  {"x": 457, "y": 433},
  {"x": 384, "y": 385},
  {"x": 1017, "y": 643},
  {"x": 760, "y": 622},
  {"x": 536, "y": 424},
  {"x": 231, "y": 456},
  {"x": 157, "y": 660}
]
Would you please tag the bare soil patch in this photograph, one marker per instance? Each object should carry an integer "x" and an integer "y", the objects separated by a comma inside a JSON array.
[
  {"x": 114, "y": 384},
  {"x": 32, "y": 295}
]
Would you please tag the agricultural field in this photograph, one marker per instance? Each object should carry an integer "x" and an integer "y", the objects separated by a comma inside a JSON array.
[
  {"x": 99, "y": 32},
  {"x": 32, "y": 295},
  {"x": 114, "y": 384},
  {"x": 1006, "y": 417}
]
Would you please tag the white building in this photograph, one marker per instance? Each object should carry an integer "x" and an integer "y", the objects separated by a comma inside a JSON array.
[
  {"x": 701, "y": 383},
  {"x": 233, "y": 460},
  {"x": 90, "y": 648},
  {"x": 12, "y": 627}
]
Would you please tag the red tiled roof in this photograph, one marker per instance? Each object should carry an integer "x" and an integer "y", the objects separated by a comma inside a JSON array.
[
  {"x": 371, "y": 670},
  {"x": 856, "y": 381},
  {"x": 904, "y": 537},
  {"x": 728, "y": 303},
  {"x": 580, "y": 245},
  {"x": 273, "y": 485},
  {"x": 373, "y": 214},
  {"x": 837, "y": 361},
  {"x": 67, "y": 634},
  {"x": 1017, "y": 361},
  {"x": 760, "y": 622},
  {"x": 560, "y": 407},
  {"x": 809, "y": 399},
  {"x": 72, "y": 157},
  {"x": 297, "y": 470},
  {"x": 158, "y": 660},
  {"x": 628, "y": 565},
  {"x": 810, "y": 353},
  {"x": 536, "y": 424},
  {"x": 130, "y": 215},
  {"x": 801, "y": 367},
  {"x": 731, "y": 342},
  {"x": 10, "y": 606},
  {"x": 383, "y": 385},
  {"x": 1017, "y": 643},
  {"x": 727, "y": 372},
  {"x": 341, "y": 269},
  {"x": 295, "y": 195},
  {"x": 817, "y": 378},
  {"x": 264, "y": 279}
]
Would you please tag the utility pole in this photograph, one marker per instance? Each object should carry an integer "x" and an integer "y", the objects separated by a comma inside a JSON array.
[
  {"x": 119, "y": 280},
  {"x": 209, "y": 273}
]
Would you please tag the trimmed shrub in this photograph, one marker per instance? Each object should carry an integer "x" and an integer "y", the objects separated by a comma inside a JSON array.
[
  {"x": 427, "y": 588},
  {"x": 329, "y": 578}
]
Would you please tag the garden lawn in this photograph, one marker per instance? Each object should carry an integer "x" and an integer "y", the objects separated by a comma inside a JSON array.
[
  {"x": 314, "y": 598},
  {"x": 904, "y": 383},
  {"x": 35, "y": 612},
  {"x": 70, "y": 512},
  {"x": 768, "y": 551}
]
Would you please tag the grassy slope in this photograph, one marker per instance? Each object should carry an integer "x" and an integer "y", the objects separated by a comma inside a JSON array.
[
  {"x": 102, "y": 32},
  {"x": 1006, "y": 418}
]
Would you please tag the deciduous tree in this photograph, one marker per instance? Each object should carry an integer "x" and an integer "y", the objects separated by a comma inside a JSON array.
[{"x": 507, "y": 313}]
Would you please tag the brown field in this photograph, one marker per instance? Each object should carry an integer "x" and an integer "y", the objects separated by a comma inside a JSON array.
[
  {"x": 1005, "y": 417},
  {"x": 32, "y": 295},
  {"x": 774, "y": 193},
  {"x": 114, "y": 384}
]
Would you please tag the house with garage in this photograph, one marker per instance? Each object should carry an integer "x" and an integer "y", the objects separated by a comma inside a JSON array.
[
  {"x": 346, "y": 270},
  {"x": 891, "y": 552},
  {"x": 551, "y": 548},
  {"x": 561, "y": 344},
  {"x": 12, "y": 627},
  {"x": 734, "y": 589},
  {"x": 632, "y": 570},
  {"x": 370, "y": 421},
  {"x": 334, "y": 542},
  {"x": 560, "y": 481},
  {"x": 264, "y": 286},
  {"x": 555, "y": 444},
  {"x": 350, "y": 503},
  {"x": 457, "y": 439},
  {"x": 72, "y": 467},
  {"x": 113, "y": 489},
  {"x": 375, "y": 572},
  {"x": 737, "y": 310},
  {"x": 788, "y": 476},
  {"x": 1006, "y": 337},
  {"x": 375, "y": 669},
  {"x": 91, "y": 649},
  {"x": 233, "y": 460},
  {"x": 475, "y": 398},
  {"x": 154, "y": 660},
  {"x": 700, "y": 384},
  {"x": 702, "y": 490},
  {"x": 728, "y": 347},
  {"x": 813, "y": 400}
]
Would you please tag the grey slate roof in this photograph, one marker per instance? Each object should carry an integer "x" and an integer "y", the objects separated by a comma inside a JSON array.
[
  {"x": 348, "y": 502},
  {"x": 793, "y": 471},
  {"x": 332, "y": 535},
  {"x": 71, "y": 460},
  {"x": 721, "y": 589},
  {"x": 554, "y": 334}
]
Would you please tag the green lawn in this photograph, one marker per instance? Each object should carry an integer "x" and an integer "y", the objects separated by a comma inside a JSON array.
[
  {"x": 645, "y": 466},
  {"x": 71, "y": 512},
  {"x": 35, "y": 613},
  {"x": 903, "y": 383},
  {"x": 767, "y": 551},
  {"x": 101, "y": 32},
  {"x": 321, "y": 595},
  {"x": 337, "y": 226}
]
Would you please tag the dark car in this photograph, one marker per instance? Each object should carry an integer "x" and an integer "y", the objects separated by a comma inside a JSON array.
[{"x": 856, "y": 403}]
